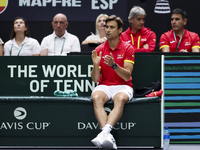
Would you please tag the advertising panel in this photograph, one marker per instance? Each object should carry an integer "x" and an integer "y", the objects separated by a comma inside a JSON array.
[
  {"x": 182, "y": 98},
  {"x": 52, "y": 121},
  {"x": 76, "y": 10},
  {"x": 41, "y": 76}
]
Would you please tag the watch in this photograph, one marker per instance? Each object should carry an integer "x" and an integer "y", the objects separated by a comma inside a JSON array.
[{"x": 114, "y": 66}]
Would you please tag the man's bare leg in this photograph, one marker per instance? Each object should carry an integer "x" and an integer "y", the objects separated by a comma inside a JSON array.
[
  {"x": 99, "y": 99},
  {"x": 120, "y": 99}
]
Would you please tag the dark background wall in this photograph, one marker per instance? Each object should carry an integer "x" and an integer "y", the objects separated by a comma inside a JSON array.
[{"x": 82, "y": 22}]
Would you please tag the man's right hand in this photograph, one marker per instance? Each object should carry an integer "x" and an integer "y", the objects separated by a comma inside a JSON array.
[
  {"x": 146, "y": 46},
  {"x": 95, "y": 58},
  {"x": 96, "y": 71}
]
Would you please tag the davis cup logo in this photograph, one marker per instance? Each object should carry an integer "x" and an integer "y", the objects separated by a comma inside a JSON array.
[
  {"x": 3, "y": 5},
  {"x": 20, "y": 113}
]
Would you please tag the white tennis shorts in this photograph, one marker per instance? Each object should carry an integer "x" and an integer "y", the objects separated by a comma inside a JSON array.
[{"x": 111, "y": 91}]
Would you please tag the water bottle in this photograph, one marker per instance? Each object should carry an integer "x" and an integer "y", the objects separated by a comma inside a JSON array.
[{"x": 166, "y": 140}]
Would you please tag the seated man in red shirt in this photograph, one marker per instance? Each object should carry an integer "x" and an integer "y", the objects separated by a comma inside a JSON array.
[
  {"x": 113, "y": 64},
  {"x": 142, "y": 39},
  {"x": 179, "y": 39}
]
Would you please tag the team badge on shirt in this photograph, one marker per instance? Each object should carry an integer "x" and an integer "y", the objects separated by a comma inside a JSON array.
[
  {"x": 119, "y": 56},
  {"x": 104, "y": 56},
  {"x": 162, "y": 42},
  {"x": 144, "y": 39},
  {"x": 171, "y": 42},
  {"x": 128, "y": 41},
  {"x": 27, "y": 45},
  {"x": 187, "y": 43}
]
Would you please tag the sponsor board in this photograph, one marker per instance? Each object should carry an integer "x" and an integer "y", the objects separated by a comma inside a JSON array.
[
  {"x": 20, "y": 114},
  {"x": 95, "y": 125},
  {"x": 75, "y": 10}
]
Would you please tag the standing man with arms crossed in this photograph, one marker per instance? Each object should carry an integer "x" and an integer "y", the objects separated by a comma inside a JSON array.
[
  {"x": 142, "y": 39},
  {"x": 113, "y": 64},
  {"x": 60, "y": 42},
  {"x": 179, "y": 39}
]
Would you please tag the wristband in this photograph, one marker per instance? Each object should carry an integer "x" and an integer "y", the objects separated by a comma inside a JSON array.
[{"x": 114, "y": 66}]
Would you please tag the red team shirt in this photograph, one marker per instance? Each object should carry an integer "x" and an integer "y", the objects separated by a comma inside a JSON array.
[
  {"x": 189, "y": 40},
  {"x": 122, "y": 53},
  {"x": 138, "y": 40}
]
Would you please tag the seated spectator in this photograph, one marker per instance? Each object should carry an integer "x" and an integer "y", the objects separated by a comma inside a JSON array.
[
  {"x": 100, "y": 36},
  {"x": 20, "y": 43},
  {"x": 1, "y": 47},
  {"x": 60, "y": 42},
  {"x": 178, "y": 39},
  {"x": 142, "y": 38}
]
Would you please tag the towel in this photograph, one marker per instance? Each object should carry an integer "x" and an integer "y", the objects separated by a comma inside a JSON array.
[{"x": 68, "y": 93}]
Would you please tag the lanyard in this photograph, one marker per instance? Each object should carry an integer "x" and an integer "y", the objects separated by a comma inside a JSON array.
[
  {"x": 138, "y": 45},
  {"x": 179, "y": 40},
  {"x": 62, "y": 45},
  {"x": 132, "y": 39},
  {"x": 19, "y": 50}
]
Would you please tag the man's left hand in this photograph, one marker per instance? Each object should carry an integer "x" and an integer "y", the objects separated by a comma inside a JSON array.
[
  {"x": 109, "y": 60},
  {"x": 184, "y": 50}
]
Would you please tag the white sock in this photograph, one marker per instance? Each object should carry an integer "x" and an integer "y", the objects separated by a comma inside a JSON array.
[{"x": 107, "y": 129}]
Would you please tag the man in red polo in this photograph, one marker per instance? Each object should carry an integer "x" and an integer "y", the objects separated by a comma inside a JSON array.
[
  {"x": 179, "y": 39},
  {"x": 140, "y": 37},
  {"x": 113, "y": 64}
]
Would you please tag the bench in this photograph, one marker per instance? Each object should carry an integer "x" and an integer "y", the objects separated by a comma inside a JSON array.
[{"x": 70, "y": 122}]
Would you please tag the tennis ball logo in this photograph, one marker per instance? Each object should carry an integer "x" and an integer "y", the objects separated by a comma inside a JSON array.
[
  {"x": 3, "y": 5},
  {"x": 20, "y": 113}
]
